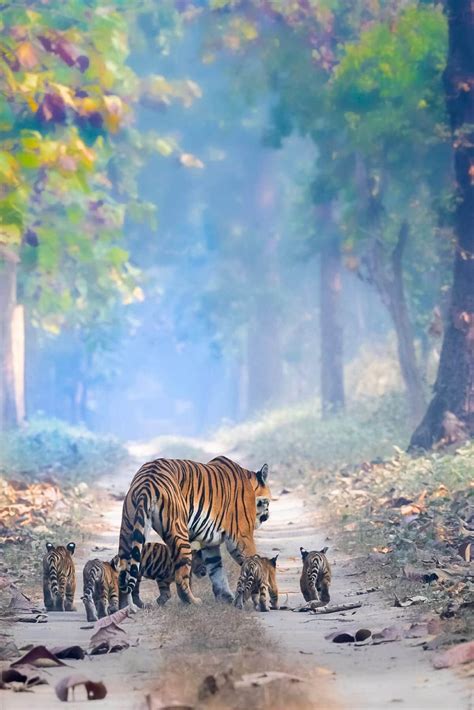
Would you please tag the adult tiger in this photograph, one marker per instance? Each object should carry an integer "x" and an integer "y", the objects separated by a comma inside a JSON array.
[{"x": 188, "y": 502}]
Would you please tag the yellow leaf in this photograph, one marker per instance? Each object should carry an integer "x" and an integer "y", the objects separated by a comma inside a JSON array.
[
  {"x": 163, "y": 147},
  {"x": 27, "y": 55},
  {"x": 10, "y": 234},
  {"x": 190, "y": 161}
]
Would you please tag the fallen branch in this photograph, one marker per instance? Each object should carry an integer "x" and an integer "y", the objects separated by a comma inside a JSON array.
[{"x": 316, "y": 608}]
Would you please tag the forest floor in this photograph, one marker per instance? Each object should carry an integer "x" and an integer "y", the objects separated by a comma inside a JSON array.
[{"x": 198, "y": 657}]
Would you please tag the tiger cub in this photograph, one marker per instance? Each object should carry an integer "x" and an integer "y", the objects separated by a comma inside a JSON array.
[
  {"x": 257, "y": 576},
  {"x": 316, "y": 575},
  {"x": 156, "y": 563},
  {"x": 59, "y": 577},
  {"x": 100, "y": 590}
]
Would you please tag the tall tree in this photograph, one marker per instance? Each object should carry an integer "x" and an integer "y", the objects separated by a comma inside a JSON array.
[{"x": 454, "y": 386}]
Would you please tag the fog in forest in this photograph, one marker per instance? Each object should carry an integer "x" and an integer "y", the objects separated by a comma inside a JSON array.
[{"x": 270, "y": 222}]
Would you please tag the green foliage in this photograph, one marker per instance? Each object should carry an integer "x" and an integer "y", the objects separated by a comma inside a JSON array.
[{"x": 48, "y": 447}]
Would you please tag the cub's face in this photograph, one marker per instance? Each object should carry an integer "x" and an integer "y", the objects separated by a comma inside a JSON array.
[
  {"x": 263, "y": 512},
  {"x": 262, "y": 496}
]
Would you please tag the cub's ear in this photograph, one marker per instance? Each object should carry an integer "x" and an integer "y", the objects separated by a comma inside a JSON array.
[
  {"x": 49, "y": 546},
  {"x": 324, "y": 550},
  {"x": 71, "y": 546},
  {"x": 304, "y": 553},
  {"x": 114, "y": 562},
  {"x": 273, "y": 561},
  {"x": 262, "y": 475}
]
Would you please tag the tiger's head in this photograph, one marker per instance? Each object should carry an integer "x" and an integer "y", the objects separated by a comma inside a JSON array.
[{"x": 262, "y": 496}]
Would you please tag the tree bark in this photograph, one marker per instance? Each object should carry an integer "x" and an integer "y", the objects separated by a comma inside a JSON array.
[
  {"x": 387, "y": 277},
  {"x": 454, "y": 386},
  {"x": 332, "y": 368},
  {"x": 9, "y": 414}
]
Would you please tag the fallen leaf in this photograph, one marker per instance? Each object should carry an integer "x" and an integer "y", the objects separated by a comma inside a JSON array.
[
  {"x": 358, "y": 636},
  {"x": 464, "y": 551},
  {"x": 107, "y": 634},
  {"x": 40, "y": 657},
  {"x": 387, "y": 635},
  {"x": 409, "y": 601},
  {"x": 74, "y": 652},
  {"x": 455, "y": 656},
  {"x": 254, "y": 680},
  {"x": 23, "y": 675},
  {"x": 95, "y": 690},
  {"x": 108, "y": 646}
]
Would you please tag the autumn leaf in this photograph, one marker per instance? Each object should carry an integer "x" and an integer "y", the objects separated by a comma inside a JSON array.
[
  {"x": 27, "y": 55},
  {"x": 190, "y": 161}
]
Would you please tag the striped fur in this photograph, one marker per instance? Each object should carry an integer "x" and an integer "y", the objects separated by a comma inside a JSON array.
[
  {"x": 100, "y": 588},
  {"x": 257, "y": 578},
  {"x": 186, "y": 502},
  {"x": 156, "y": 564},
  {"x": 316, "y": 575},
  {"x": 59, "y": 577}
]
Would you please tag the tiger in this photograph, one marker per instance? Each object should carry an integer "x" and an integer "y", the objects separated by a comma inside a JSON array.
[
  {"x": 100, "y": 588},
  {"x": 316, "y": 575},
  {"x": 184, "y": 502},
  {"x": 257, "y": 576},
  {"x": 156, "y": 564},
  {"x": 59, "y": 577}
]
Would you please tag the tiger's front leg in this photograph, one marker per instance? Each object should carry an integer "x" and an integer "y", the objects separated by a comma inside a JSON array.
[{"x": 220, "y": 584}]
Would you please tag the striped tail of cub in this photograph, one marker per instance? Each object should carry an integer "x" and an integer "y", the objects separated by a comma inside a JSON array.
[
  {"x": 315, "y": 576},
  {"x": 257, "y": 578}
]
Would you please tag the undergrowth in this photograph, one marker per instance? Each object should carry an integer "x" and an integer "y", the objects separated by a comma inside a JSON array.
[
  {"x": 293, "y": 438},
  {"x": 48, "y": 447}
]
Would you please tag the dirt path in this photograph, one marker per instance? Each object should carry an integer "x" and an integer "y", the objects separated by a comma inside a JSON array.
[{"x": 364, "y": 677}]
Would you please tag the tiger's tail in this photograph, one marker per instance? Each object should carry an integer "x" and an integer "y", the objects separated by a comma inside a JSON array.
[
  {"x": 90, "y": 581},
  {"x": 53, "y": 575},
  {"x": 128, "y": 574}
]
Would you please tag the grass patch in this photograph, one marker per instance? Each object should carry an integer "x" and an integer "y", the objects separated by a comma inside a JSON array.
[
  {"x": 48, "y": 447},
  {"x": 223, "y": 642},
  {"x": 293, "y": 438}
]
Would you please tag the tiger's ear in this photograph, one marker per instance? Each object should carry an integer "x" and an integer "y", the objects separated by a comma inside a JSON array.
[
  {"x": 71, "y": 546},
  {"x": 114, "y": 563},
  {"x": 262, "y": 475},
  {"x": 324, "y": 550},
  {"x": 273, "y": 561},
  {"x": 304, "y": 553},
  {"x": 49, "y": 546}
]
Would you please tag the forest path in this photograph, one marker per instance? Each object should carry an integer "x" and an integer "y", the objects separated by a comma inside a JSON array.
[{"x": 366, "y": 677}]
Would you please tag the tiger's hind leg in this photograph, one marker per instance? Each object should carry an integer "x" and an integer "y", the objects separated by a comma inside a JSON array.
[
  {"x": 69, "y": 597},
  {"x": 324, "y": 593},
  {"x": 113, "y": 600},
  {"x": 101, "y": 600},
  {"x": 165, "y": 593},
  {"x": 47, "y": 596},
  {"x": 136, "y": 595},
  {"x": 262, "y": 598},
  {"x": 220, "y": 585},
  {"x": 255, "y": 600}
]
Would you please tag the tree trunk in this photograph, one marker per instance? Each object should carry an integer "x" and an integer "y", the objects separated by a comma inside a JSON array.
[
  {"x": 332, "y": 369},
  {"x": 387, "y": 277},
  {"x": 398, "y": 308},
  {"x": 454, "y": 386},
  {"x": 9, "y": 414}
]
